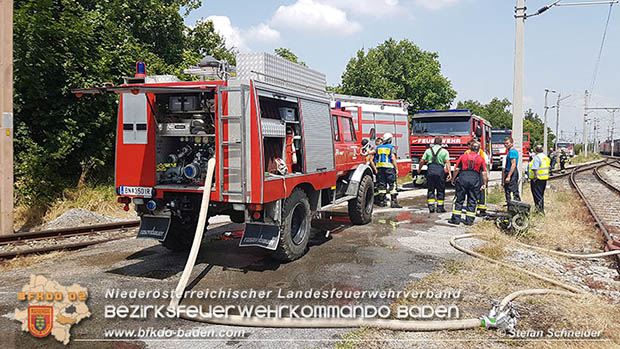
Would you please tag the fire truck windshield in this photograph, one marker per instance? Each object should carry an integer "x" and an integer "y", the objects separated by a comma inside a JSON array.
[
  {"x": 444, "y": 126},
  {"x": 498, "y": 137}
]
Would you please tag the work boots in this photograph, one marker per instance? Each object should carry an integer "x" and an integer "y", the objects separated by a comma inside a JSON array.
[
  {"x": 394, "y": 203},
  {"x": 431, "y": 208},
  {"x": 380, "y": 200},
  {"x": 441, "y": 209}
]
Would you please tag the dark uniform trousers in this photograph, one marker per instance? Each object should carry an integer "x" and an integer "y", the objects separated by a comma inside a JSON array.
[
  {"x": 538, "y": 192},
  {"x": 436, "y": 178},
  {"x": 482, "y": 197},
  {"x": 512, "y": 187},
  {"x": 467, "y": 186},
  {"x": 386, "y": 179}
]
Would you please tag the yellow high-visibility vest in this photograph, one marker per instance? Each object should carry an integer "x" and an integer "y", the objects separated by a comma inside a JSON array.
[{"x": 543, "y": 171}]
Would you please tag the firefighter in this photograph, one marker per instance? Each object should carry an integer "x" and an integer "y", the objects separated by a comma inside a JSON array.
[
  {"x": 563, "y": 160},
  {"x": 387, "y": 171},
  {"x": 553, "y": 156},
  {"x": 538, "y": 172},
  {"x": 481, "y": 202},
  {"x": 469, "y": 167},
  {"x": 438, "y": 160},
  {"x": 510, "y": 172}
]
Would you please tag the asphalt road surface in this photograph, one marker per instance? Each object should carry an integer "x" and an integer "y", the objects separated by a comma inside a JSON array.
[{"x": 399, "y": 245}]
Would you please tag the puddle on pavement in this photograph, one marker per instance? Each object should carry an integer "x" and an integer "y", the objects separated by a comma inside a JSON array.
[{"x": 352, "y": 258}]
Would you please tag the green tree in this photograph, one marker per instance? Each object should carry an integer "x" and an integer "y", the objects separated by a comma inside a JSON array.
[
  {"x": 498, "y": 113},
  {"x": 399, "y": 70},
  {"x": 63, "y": 44},
  {"x": 289, "y": 55}
]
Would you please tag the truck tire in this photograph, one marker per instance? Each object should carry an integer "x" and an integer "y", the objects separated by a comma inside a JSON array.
[
  {"x": 180, "y": 235},
  {"x": 360, "y": 208},
  {"x": 295, "y": 227}
]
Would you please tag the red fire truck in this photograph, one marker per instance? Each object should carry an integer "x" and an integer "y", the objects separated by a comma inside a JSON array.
[
  {"x": 499, "y": 149},
  {"x": 282, "y": 154},
  {"x": 380, "y": 116},
  {"x": 567, "y": 147},
  {"x": 456, "y": 128}
]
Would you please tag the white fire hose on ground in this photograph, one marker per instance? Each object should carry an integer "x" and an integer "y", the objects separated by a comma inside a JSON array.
[{"x": 501, "y": 316}]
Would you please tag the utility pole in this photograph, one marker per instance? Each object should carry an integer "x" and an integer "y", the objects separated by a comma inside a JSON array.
[
  {"x": 545, "y": 129},
  {"x": 585, "y": 124},
  {"x": 517, "y": 96},
  {"x": 6, "y": 108},
  {"x": 557, "y": 118},
  {"x": 613, "y": 126}
]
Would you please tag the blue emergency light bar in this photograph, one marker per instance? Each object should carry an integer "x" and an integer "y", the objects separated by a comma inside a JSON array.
[{"x": 443, "y": 111}]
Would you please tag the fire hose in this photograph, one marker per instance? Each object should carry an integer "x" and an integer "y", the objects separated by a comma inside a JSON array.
[{"x": 501, "y": 316}]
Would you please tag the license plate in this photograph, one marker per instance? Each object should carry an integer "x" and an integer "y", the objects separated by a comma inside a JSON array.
[{"x": 145, "y": 192}]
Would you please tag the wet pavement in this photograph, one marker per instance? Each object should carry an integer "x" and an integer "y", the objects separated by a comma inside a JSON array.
[{"x": 399, "y": 245}]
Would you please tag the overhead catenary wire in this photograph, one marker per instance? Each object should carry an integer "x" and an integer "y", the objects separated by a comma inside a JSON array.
[{"x": 600, "y": 51}]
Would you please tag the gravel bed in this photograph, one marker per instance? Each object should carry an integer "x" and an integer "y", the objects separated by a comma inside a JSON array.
[{"x": 596, "y": 275}]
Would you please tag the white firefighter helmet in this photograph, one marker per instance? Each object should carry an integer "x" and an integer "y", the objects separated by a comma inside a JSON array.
[{"x": 387, "y": 137}]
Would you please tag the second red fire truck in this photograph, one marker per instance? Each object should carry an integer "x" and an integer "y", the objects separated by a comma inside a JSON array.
[{"x": 456, "y": 128}]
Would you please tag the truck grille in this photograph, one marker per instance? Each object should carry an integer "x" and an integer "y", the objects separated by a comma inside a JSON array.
[{"x": 417, "y": 151}]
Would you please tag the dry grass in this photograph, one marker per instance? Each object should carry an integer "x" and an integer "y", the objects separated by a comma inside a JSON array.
[
  {"x": 21, "y": 262},
  {"x": 100, "y": 199},
  {"x": 566, "y": 225}
]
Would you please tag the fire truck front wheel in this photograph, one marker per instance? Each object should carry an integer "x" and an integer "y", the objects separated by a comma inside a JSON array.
[
  {"x": 295, "y": 228},
  {"x": 360, "y": 208}
]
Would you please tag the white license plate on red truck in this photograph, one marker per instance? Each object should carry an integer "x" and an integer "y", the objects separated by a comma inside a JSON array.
[{"x": 144, "y": 192}]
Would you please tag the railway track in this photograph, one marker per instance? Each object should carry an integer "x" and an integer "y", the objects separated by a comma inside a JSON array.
[
  {"x": 602, "y": 199},
  {"x": 63, "y": 239}
]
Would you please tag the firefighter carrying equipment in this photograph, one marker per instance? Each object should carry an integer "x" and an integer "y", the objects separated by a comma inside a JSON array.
[
  {"x": 467, "y": 186},
  {"x": 543, "y": 171}
]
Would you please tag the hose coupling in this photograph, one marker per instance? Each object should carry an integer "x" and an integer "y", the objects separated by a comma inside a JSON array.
[{"x": 501, "y": 319}]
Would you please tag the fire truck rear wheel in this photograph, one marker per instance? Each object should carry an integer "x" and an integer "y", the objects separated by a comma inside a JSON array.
[
  {"x": 295, "y": 228},
  {"x": 180, "y": 235},
  {"x": 360, "y": 208}
]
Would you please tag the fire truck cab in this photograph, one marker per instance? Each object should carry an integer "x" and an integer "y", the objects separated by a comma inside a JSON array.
[
  {"x": 378, "y": 117},
  {"x": 282, "y": 154},
  {"x": 499, "y": 149},
  {"x": 456, "y": 128}
]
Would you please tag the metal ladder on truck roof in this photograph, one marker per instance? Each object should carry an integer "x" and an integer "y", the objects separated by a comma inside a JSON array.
[{"x": 235, "y": 145}]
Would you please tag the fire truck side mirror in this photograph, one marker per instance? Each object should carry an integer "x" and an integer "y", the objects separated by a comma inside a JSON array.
[{"x": 478, "y": 131}]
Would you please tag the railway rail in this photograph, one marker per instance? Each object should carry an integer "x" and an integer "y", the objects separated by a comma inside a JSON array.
[
  {"x": 594, "y": 190},
  {"x": 63, "y": 239}
]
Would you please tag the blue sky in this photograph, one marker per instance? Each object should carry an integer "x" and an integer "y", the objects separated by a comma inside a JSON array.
[{"x": 474, "y": 40}]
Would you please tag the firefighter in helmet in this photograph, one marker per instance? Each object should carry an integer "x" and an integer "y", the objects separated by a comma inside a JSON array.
[
  {"x": 469, "y": 167},
  {"x": 387, "y": 172}
]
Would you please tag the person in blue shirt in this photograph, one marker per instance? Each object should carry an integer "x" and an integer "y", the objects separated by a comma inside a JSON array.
[{"x": 510, "y": 172}]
